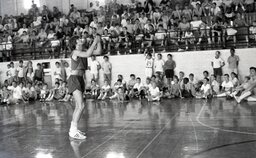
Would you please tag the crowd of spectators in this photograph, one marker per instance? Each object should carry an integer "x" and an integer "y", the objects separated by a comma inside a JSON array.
[
  {"x": 24, "y": 83},
  {"x": 129, "y": 28}
]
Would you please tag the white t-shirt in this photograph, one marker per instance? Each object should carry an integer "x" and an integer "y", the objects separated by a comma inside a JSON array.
[
  {"x": 55, "y": 43},
  {"x": 217, "y": 63},
  {"x": 227, "y": 85},
  {"x": 57, "y": 73},
  {"x": 105, "y": 88},
  {"x": 20, "y": 32},
  {"x": 196, "y": 24},
  {"x": 205, "y": 88},
  {"x": 159, "y": 65},
  {"x": 148, "y": 86},
  {"x": 20, "y": 71},
  {"x": 149, "y": 63},
  {"x": 12, "y": 72},
  {"x": 215, "y": 86},
  {"x": 94, "y": 66},
  {"x": 124, "y": 22},
  {"x": 16, "y": 92},
  {"x": 154, "y": 91},
  {"x": 138, "y": 86}
]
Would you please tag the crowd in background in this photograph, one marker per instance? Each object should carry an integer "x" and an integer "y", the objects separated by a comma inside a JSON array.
[
  {"x": 24, "y": 83},
  {"x": 182, "y": 25}
]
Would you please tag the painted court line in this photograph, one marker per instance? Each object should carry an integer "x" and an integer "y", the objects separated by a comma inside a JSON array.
[
  {"x": 142, "y": 151},
  {"x": 192, "y": 122},
  {"x": 119, "y": 131},
  {"x": 216, "y": 128}
]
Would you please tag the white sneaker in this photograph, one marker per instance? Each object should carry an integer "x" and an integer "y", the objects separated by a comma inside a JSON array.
[
  {"x": 77, "y": 135},
  {"x": 83, "y": 133}
]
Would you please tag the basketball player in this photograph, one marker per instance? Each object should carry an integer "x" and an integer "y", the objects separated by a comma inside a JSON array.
[{"x": 76, "y": 84}]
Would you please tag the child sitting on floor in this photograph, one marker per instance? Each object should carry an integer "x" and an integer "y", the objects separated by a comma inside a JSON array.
[
  {"x": 154, "y": 93},
  {"x": 120, "y": 95},
  {"x": 5, "y": 94},
  {"x": 16, "y": 94},
  {"x": 146, "y": 86},
  {"x": 175, "y": 91},
  {"x": 94, "y": 89},
  {"x": 131, "y": 82},
  {"x": 137, "y": 90},
  {"x": 66, "y": 95},
  {"x": 104, "y": 91},
  {"x": 44, "y": 92},
  {"x": 242, "y": 87},
  {"x": 205, "y": 91},
  {"x": 215, "y": 85},
  {"x": 226, "y": 87},
  {"x": 53, "y": 91},
  {"x": 186, "y": 90}
]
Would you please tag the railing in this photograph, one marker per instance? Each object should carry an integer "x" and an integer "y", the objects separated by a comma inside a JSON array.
[{"x": 204, "y": 39}]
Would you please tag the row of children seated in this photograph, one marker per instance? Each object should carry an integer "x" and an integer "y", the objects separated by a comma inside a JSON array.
[
  {"x": 153, "y": 89},
  {"x": 181, "y": 87}
]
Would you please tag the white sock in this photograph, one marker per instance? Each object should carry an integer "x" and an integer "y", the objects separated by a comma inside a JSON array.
[{"x": 73, "y": 127}]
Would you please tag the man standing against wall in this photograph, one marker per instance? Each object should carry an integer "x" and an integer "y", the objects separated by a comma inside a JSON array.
[
  {"x": 217, "y": 64},
  {"x": 233, "y": 61}
]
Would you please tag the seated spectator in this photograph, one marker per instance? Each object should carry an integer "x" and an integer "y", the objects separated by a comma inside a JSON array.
[
  {"x": 234, "y": 79},
  {"x": 44, "y": 93},
  {"x": 247, "y": 93},
  {"x": 137, "y": 90},
  {"x": 5, "y": 95},
  {"x": 252, "y": 30},
  {"x": 160, "y": 35},
  {"x": 173, "y": 35},
  {"x": 215, "y": 10},
  {"x": 131, "y": 82},
  {"x": 187, "y": 12},
  {"x": 21, "y": 30},
  {"x": 94, "y": 89},
  {"x": 74, "y": 16},
  {"x": 154, "y": 93},
  {"x": 29, "y": 93},
  {"x": 120, "y": 95},
  {"x": 175, "y": 90},
  {"x": 104, "y": 91},
  {"x": 242, "y": 27},
  {"x": 205, "y": 90},
  {"x": 16, "y": 93},
  {"x": 186, "y": 89},
  {"x": 54, "y": 46},
  {"x": 125, "y": 39},
  {"x": 197, "y": 11},
  {"x": 156, "y": 15},
  {"x": 113, "y": 43},
  {"x": 177, "y": 13},
  {"x": 226, "y": 87},
  {"x": 148, "y": 37},
  {"x": 24, "y": 38},
  {"x": 239, "y": 89},
  {"x": 189, "y": 39},
  {"x": 54, "y": 92},
  {"x": 215, "y": 85}
]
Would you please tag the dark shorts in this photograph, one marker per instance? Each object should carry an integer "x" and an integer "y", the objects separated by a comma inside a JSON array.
[
  {"x": 76, "y": 83},
  {"x": 169, "y": 73},
  {"x": 38, "y": 78},
  {"x": 217, "y": 71}
]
